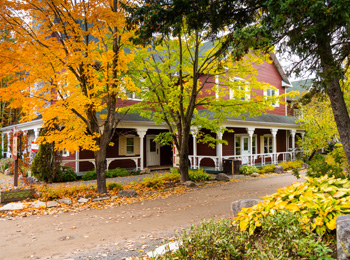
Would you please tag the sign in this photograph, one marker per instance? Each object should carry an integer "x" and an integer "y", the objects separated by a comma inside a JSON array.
[
  {"x": 35, "y": 147},
  {"x": 14, "y": 148}
]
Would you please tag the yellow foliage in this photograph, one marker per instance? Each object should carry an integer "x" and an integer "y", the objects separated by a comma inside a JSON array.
[{"x": 318, "y": 202}]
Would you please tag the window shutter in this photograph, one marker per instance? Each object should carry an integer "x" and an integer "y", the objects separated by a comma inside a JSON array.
[
  {"x": 137, "y": 145},
  {"x": 122, "y": 145},
  {"x": 262, "y": 144}
]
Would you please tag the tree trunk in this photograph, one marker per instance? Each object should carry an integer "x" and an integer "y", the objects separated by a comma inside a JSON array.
[
  {"x": 183, "y": 154},
  {"x": 101, "y": 164},
  {"x": 341, "y": 115}
]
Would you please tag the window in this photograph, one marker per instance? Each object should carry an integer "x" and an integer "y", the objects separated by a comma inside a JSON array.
[
  {"x": 130, "y": 145},
  {"x": 242, "y": 90},
  {"x": 244, "y": 145},
  {"x": 238, "y": 145},
  {"x": 65, "y": 153},
  {"x": 272, "y": 93},
  {"x": 268, "y": 144},
  {"x": 133, "y": 95}
]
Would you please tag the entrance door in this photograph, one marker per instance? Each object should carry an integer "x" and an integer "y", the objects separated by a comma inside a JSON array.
[
  {"x": 245, "y": 149},
  {"x": 152, "y": 151}
]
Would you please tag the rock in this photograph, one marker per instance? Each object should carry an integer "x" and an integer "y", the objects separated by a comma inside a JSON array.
[
  {"x": 101, "y": 198},
  {"x": 343, "y": 237},
  {"x": 12, "y": 206},
  {"x": 222, "y": 177},
  {"x": 51, "y": 204},
  {"x": 255, "y": 174},
  {"x": 237, "y": 205},
  {"x": 7, "y": 171},
  {"x": 190, "y": 184},
  {"x": 146, "y": 171},
  {"x": 305, "y": 165},
  {"x": 65, "y": 201},
  {"x": 83, "y": 200},
  {"x": 38, "y": 204},
  {"x": 127, "y": 193},
  {"x": 278, "y": 169}
]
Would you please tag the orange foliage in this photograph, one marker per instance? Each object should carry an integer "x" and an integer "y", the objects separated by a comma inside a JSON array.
[{"x": 63, "y": 65}]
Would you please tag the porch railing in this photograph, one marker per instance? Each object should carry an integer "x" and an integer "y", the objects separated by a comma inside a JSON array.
[
  {"x": 108, "y": 160},
  {"x": 262, "y": 158}
]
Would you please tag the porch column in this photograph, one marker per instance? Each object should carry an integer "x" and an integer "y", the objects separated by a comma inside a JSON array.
[
  {"x": 194, "y": 132},
  {"x": 292, "y": 133},
  {"x": 274, "y": 144},
  {"x": 77, "y": 161},
  {"x": 2, "y": 144},
  {"x": 36, "y": 133},
  {"x": 8, "y": 145},
  {"x": 141, "y": 133},
  {"x": 219, "y": 150},
  {"x": 302, "y": 134},
  {"x": 250, "y": 131}
]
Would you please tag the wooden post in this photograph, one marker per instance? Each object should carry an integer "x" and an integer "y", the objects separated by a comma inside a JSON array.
[{"x": 15, "y": 157}]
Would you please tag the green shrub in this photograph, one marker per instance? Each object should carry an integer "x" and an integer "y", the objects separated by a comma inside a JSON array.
[
  {"x": 267, "y": 168},
  {"x": 46, "y": 164},
  {"x": 280, "y": 237},
  {"x": 135, "y": 172},
  {"x": 248, "y": 169},
  {"x": 5, "y": 164},
  {"x": 153, "y": 182},
  {"x": 114, "y": 186},
  {"x": 194, "y": 175},
  {"x": 319, "y": 167},
  {"x": 68, "y": 174},
  {"x": 90, "y": 175},
  {"x": 117, "y": 172}
]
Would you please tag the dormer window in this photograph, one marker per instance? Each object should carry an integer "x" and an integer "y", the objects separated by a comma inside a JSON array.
[{"x": 271, "y": 93}]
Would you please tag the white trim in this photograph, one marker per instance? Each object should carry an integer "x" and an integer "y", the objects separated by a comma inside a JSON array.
[{"x": 286, "y": 85}]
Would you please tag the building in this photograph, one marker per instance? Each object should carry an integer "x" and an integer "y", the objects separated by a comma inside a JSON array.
[{"x": 268, "y": 138}]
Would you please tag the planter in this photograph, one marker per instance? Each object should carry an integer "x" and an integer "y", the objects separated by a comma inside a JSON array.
[{"x": 15, "y": 195}]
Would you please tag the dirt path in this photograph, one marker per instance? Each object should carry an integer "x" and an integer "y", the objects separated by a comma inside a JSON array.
[{"x": 56, "y": 236}]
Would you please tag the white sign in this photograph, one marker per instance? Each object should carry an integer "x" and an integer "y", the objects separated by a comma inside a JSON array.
[{"x": 35, "y": 147}]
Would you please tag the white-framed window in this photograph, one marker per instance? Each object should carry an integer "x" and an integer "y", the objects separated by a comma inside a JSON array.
[
  {"x": 270, "y": 93},
  {"x": 133, "y": 95},
  {"x": 129, "y": 145},
  {"x": 268, "y": 144},
  {"x": 243, "y": 144},
  {"x": 65, "y": 153},
  {"x": 243, "y": 91}
]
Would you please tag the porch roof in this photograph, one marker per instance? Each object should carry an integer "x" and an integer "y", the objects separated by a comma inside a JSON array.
[{"x": 264, "y": 118}]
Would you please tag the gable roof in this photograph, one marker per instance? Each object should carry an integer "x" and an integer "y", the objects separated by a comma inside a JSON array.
[{"x": 302, "y": 86}]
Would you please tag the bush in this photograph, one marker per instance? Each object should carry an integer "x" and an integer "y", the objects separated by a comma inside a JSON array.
[
  {"x": 280, "y": 237},
  {"x": 194, "y": 175},
  {"x": 248, "y": 169},
  {"x": 90, "y": 175},
  {"x": 290, "y": 165},
  {"x": 5, "y": 164},
  {"x": 267, "y": 168},
  {"x": 153, "y": 182},
  {"x": 319, "y": 167},
  {"x": 117, "y": 172},
  {"x": 52, "y": 193},
  {"x": 46, "y": 165},
  {"x": 318, "y": 202},
  {"x": 68, "y": 174},
  {"x": 135, "y": 172},
  {"x": 114, "y": 186}
]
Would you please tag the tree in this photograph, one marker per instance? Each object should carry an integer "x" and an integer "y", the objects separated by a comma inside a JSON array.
[
  {"x": 186, "y": 83},
  {"x": 317, "y": 31},
  {"x": 68, "y": 63}
]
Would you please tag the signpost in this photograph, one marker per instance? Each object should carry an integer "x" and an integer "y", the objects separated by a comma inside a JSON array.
[{"x": 15, "y": 157}]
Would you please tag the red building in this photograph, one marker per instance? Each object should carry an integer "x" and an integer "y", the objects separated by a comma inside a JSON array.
[{"x": 259, "y": 140}]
